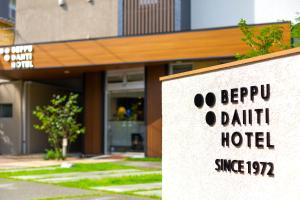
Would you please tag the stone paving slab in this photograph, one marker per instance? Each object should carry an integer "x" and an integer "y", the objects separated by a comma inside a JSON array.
[
  {"x": 141, "y": 164},
  {"x": 93, "y": 176},
  {"x": 74, "y": 174},
  {"x": 14, "y": 190},
  {"x": 127, "y": 188},
  {"x": 25, "y": 161},
  {"x": 149, "y": 193},
  {"x": 115, "y": 197},
  {"x": 27, "y": 169}
]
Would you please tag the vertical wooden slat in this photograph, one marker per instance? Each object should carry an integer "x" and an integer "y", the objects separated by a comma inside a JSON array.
[
  {"x": 169, "y": 15},
  {"x": 172, "y": 17},
  {"x": 150, "y": 18},
  {"x": 128, "y": 17},
  {"x": 131, "y": 18},
  {"x": 153, "y": 18},
  {"x": 140, "y": 25},
  {"x": 165, "y": 16},
  {"x": 136, "y": 16},
  {"x": 146, "y": 19},
  {"x": 124, "y": 17},
  {"x": 157, "y": 15},
  {"x": 161, "y": 16},
  {"x": 156, "y": 18},
  {"x": 142, "y": 17}
]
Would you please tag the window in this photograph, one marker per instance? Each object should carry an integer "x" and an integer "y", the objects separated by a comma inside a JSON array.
[
  {"x": 6, "y": 110},
  {"x": 125, "y": 79},
  {"x": 12, "y": 9},
  {"x": 180, "y": 67}
]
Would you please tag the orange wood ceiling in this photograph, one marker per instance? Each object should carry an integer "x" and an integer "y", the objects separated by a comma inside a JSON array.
[{"x": 89, "y": 54}]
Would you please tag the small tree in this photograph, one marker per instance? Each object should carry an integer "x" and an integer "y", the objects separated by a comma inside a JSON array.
[
  {"x": 59, "y": 121},
  {"x": 261, "y": 42}
]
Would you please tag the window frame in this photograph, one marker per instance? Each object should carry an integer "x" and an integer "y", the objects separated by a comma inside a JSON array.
[{"x": 3, "y": 112}]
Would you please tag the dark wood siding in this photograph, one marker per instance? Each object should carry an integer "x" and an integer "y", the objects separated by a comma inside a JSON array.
[
  {"x": 148, "y": 16},
  {"x": 93, "y": 113},
  {"x": 154, "y": 110}
]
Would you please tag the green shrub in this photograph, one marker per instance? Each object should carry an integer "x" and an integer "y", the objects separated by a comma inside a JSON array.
[{"x": 53, "y": 154}]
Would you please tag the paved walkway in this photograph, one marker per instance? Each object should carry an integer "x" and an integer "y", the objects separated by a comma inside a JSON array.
[
  {"x": 21, "y": 190},
  {"x": 128, "y": 188},
  {"x": 114, "y": 197},
  {"x": 147, "y": 165},
  {"x": 25, "y": 161},
  {"x": 63, "y": 177},
  {"x": 15, "y": 190}
]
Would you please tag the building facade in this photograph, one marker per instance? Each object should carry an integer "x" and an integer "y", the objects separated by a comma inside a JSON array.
[
  {"x": 111, "y": 52},
  {"x": 91, "y": 19}
]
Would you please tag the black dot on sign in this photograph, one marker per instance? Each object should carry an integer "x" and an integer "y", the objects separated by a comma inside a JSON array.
[
  {"x": 210, "y": 118},
  {"x": 210, "y": 99},
  {"x": 199, "y": 100}
]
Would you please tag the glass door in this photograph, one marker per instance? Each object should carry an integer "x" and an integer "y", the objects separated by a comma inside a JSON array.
[{"x": 125, "y": 125}]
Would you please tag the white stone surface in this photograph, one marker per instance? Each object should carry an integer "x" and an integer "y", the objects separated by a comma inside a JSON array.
[
  {"x": 127, "y": 188},
  {"x": 26, "y": 169},
  {"x": 75, "y": 175},
  {"x": 56, "y": 178},
  {"x": 190, "y": 146},
  {"x": 150, "y": 193}
]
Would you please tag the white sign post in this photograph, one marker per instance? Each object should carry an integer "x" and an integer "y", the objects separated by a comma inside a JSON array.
[{"x": 234, "y": 133}]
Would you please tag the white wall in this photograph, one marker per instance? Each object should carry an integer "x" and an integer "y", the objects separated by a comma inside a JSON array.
[
  {"x": 216, "y": 13},
  {"x": 191, "y": 146}
]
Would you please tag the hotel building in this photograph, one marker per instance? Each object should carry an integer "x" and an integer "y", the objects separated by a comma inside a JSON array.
[{"x": 112, "y": 52}]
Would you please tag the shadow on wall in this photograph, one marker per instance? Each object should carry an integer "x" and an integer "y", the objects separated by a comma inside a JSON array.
[
  {"x": 10, "y": 129},
  {"x": 218, "y": 13},
  {"x": 5, "y": 142}
]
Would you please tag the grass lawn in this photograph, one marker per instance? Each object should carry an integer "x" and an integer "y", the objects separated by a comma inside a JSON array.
[
  {"x": 75, "y": 168},
  {"x": 124, "y": 180}
]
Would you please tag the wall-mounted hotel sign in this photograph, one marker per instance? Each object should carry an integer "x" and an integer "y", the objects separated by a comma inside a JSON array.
[
  {"x": 234, "y": 133},
  {"x": 19, "y": 57}
]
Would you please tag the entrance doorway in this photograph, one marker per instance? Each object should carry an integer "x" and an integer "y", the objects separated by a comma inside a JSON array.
[{"x": 125, "y": 124}]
